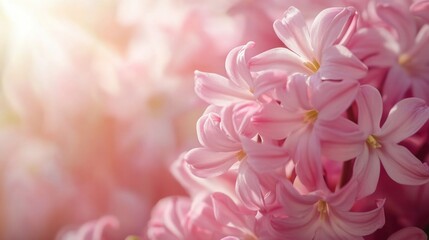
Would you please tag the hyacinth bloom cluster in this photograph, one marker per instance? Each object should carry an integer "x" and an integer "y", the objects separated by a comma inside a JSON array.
[{"x": 324, "y": 137}]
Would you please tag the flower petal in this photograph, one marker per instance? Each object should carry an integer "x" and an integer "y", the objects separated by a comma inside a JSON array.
[
  {"x": 264, "y": 157},
  {"x": 330, "y": 26},
  {"x": 339, "y": 63},
  {"x": 402, "y": 21},
  {"x": 237, "y": 68},
  {"x": 404, "y": 119},
  {"x": 218, "y": 90},
  {"x": 402, "y": 166},
  {"x": 207, "y": 163},
  {"x": 359, "y": 223},
  {"x": 409, "y": 233},
  {"x": 341, "y": 139},
  {"x": 275, "y": 122},
  {"x": 366, "y": 171},
  {"x": 279, "y": 59},
  {"x": 332, "y": 99},
  {"x": 293, "y": 32},
  {"x": 370, "y": 109}
]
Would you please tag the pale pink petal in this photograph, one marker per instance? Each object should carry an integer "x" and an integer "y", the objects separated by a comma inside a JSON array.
[
  {"x": 237, "y": 68},
  {"x": 420, "y": 8},
  {"x": 296, "y": 95},
  {"x": 275, "y": 122},
  {"x": 210, "y": 163},
  {"x": 212, "y": 136},
  {"x": 304, "y": 147},
  {"x": 404, "y": 119},
  {"x": 330, "y": 26},
  {"x": 370, "y": 109},
  {"x": 344, "y": 198},
  {"x": 331, "y": 99},
  {"x": 281, "y": 59},
  {"x": 401, "y": 21},
  {"x": 359, "y": 223},
  {"x": 293, "y": 32},
  {"x": 301, "y": 217},
  {"x": 249, "y": 188},
  {"x": 167, "y": 218},
  {"x": 341, "y": 139},
  {"x": 218, "y": 90},
  {"x": 226, "y": 211},
  {"x": 407, "y": 233},
  {"x": 366, "y": 171},
  {"x": 293, "y": 202},
  {"x": 402, "y": 166},
  {"x": 236, "y": 120},
  {"x": 267, "y": 81},
  {"x": 264, "y": 157},
  {"x": 339, "y": 63}
]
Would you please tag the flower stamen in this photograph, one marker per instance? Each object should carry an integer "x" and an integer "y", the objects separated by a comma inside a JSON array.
[
  {"x": 313, "y": 65},
  {"x": 322, "y": 208},
  {"x": 311, "y": 116},
  {"x": 372, "y": 142},
  {"x": 241, "y": 155}
]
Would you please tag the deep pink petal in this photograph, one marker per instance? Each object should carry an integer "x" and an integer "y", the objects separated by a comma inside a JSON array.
[
  {"x": 341, "y": 139},
  {"x": 280, "y": 59},
  {"x": 339, "y": 63},
  {"x": 237, "y": 68},
  {"x": 330, "y": 26},
  {"x": 401, "y": 21},
  {"x": 395, "y": 86},
  {"x": 404, "y": 119},
  {"x": 419, "y": 51},
  {"x": 331, "y": 99},
  {"x": 402, "y": 166},
  {"x": 218, "y": 90},
  {"x": 209, "y": 163},
  {"x": 407, "y": 233},
  {"x": 344, "y": 198},
  {"x": 370, "y": 109},
  {"x": 293, "y": 32}
]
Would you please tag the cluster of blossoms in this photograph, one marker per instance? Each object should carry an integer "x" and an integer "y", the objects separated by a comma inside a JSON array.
[{"x": 325, "y": 137}]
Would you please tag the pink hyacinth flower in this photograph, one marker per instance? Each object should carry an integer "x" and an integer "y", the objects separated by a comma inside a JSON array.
[
  {"x": 381, "y": 144},
  {"x": 304, "y": 113},
  {"x": 322, "y": 216},
  {"x": 316, "y": 50},
  {"x": 240, "y": 85},
  {"x": 409, "y": 66}
]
